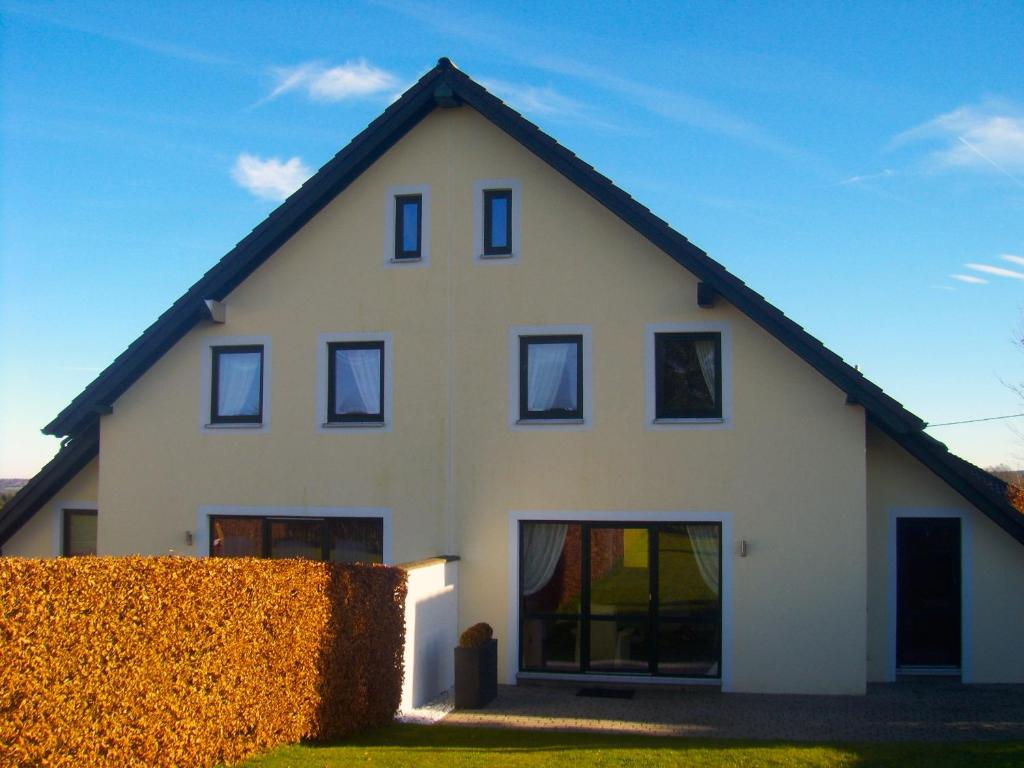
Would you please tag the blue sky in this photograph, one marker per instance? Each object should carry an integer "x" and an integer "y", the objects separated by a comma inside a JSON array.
[{"x": 861, "y": 165}]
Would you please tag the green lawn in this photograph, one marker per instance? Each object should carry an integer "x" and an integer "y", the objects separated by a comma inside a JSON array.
[{"x": 440, "y": 746}]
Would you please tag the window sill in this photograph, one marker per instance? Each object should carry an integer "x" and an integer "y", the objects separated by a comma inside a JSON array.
[
  {"x": 417, "y": 260},
  {"x": 242, "y": 425},
  {"x": 545, "y": 422},
  {"x": 496, "y": 256},
  {"x": 354, "y": 424},
  {"x": 684, "y": 422}
]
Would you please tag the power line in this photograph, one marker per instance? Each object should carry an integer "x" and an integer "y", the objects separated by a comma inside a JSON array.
[{"x": 975, "y": 421}]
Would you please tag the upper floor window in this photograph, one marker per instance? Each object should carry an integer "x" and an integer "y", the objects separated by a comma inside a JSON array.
[
  {"x": 408, "y": 227},
  {"x": 236, "y": 386},
  {"x": 551, "y": 377},
  {"x": 355, "y": 381},
  {"x": 688, "y": 376},
  {"x": 497, "y": 222},
  {"x": 79, "y": 534}
]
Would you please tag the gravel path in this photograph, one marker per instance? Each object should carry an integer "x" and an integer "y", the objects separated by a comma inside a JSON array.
[{"x": 928, "y": 711}]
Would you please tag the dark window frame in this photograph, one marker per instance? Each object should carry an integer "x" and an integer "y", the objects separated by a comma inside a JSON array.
[
  {"x": 266, "y": 521},
  {"x": 215, "y": 356},
  {"x": 552, "y": 414},
  {"x": 585, "y": 616},
  {"x": 400, "y": 253},
  {"x": 333, "y": 417},
  {"x": 490, "y": 195},
  {"x": 65, "y": 537},
  {"x": 660, "y": 407}
]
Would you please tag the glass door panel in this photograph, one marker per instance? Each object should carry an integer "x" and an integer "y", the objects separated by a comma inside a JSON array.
[
  {"x": 551, "y": 645},
  {"x": 688, "y": 648},
  {"x": 620, "y": 577},
  {"x": 550, "y": 588},
  {"x": 619, "y": 645},
  {"x": 688, "y": 569}
]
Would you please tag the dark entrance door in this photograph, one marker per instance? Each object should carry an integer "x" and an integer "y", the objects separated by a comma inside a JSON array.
[{"x": 928, "y": 592}]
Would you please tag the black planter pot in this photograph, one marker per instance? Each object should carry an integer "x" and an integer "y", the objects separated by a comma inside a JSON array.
[{"x": 476, "y": 675}]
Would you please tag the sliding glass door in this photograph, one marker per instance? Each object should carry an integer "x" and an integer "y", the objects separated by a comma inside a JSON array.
[{"x": 620, "y": 598}]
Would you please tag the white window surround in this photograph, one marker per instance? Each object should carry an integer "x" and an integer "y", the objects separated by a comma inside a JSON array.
[
  {"x": 423, "y": 190},
  {"x": 572, "y": 425},
  {"x": 518, "y": 516},
  {"x": 322, "y": 363},
  {"x": 651, "y": 422},
  {"x": 479, "y": 188},
  {"x": 966, "y": 586},
  {"x": 206, "y": 380},
  {"x": 201, "y": 539},
  {"x": 59, "y": 509}
]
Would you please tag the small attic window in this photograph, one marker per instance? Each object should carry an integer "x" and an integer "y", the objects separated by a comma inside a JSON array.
[
  {"x": 497, "y": 214},
  {"x": 408, "y": 227},
  {"x": 497, "y": 222}
]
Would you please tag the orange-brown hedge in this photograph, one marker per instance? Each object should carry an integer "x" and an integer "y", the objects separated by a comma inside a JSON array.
[{"x": 175, "y": 661}]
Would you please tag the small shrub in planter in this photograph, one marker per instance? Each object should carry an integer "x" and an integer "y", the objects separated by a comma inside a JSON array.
[{"x": 476, "y": 667}]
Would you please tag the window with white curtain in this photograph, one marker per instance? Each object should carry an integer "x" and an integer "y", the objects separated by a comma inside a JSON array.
[
  {"x": 551, "y": 377},
  {"x": 688, "y": 375},
  {"x": 236, "y": 391},
  {"x": 355, "y": 382}
]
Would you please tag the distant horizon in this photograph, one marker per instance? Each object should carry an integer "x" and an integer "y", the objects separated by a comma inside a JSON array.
[{"x": 861, "y": 167}]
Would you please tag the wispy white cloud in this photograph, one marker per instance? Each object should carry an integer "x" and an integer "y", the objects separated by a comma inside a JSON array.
[
  {"x": 270, "y": 179},
  {"x": 351, "y": 80},
  {"x": 969, "y": 279},
  {"x": 888, "y": 173},
  {"x": 527, "y": 47},
  {"x": 1013, "y": 259},
  {"x": 545, "y": 101},
  {"x": 998, "y": 271},
  {"x": 984, "y": 136}
]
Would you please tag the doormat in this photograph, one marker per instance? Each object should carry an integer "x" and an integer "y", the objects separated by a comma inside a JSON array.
[{"x": 606, "y": 693}]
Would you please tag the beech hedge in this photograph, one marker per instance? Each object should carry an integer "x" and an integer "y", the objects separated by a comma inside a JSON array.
[{"x": 162, "y": 661}]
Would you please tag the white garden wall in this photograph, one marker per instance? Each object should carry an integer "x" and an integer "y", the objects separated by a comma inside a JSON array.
[{"x": 431, "y": 630}]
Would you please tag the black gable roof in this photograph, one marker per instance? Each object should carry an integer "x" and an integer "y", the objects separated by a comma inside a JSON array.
[{"x": 445, "y": 86}]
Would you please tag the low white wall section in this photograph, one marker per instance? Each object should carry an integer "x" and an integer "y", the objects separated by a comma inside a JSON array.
[{"x": 431, "y": 630}]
